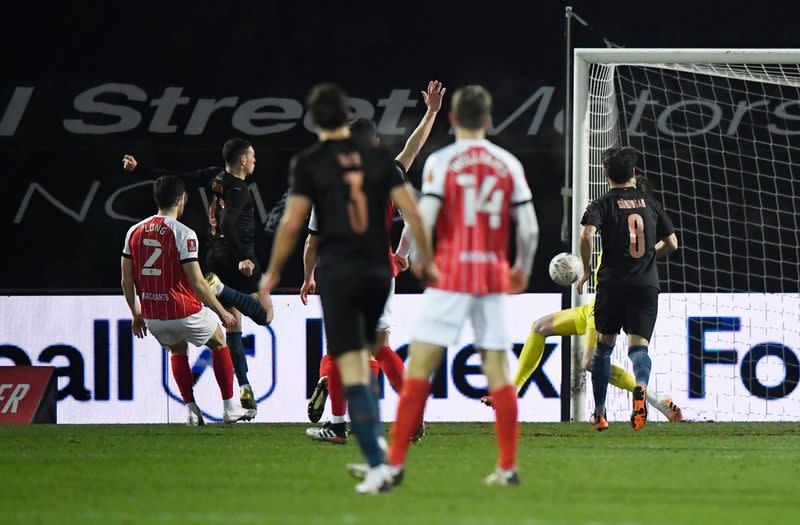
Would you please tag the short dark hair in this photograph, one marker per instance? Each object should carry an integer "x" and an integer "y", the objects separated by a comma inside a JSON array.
[
  {"x": 328, "y": 105},
  {"x": 471, "y": 106},
  {"x": 363, "y": 130},
  {"x": 619, "y": 163},
  {"x": 643, "y": 183},
  {"x": 166, "y": 190},
  {"x": 233, "y": 149}
]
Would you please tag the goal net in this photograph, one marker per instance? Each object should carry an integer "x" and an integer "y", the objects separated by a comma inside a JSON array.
[{"x": 718, "y": 136}]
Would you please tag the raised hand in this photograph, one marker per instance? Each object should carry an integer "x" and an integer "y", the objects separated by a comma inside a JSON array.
[
  {"x": 129, "y": 163},
  {"x": 433, "y": 97}
]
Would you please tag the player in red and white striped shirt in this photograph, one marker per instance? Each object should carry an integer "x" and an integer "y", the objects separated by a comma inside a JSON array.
[
  {"x": 160, "y": 269},
  {"x": 471, "y": 191}
]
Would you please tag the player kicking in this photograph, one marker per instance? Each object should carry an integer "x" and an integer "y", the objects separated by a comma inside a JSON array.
[
  {"x": 159, "y": 265},
  {"x": 349, "y": 184},
  {"x": 231, "y": 252},
  {"x": 470, "y": 191},
  {"x": 631, "y": 224},
  {"x": 579, "y": 320},
  {"x": 364, "y": 131}
]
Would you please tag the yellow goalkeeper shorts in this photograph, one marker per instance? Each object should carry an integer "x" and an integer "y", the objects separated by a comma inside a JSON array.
[{"x": 575, "y": 321}]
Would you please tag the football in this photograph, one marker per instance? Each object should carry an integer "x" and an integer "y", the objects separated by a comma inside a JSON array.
[{"x": 565, "y": 268}]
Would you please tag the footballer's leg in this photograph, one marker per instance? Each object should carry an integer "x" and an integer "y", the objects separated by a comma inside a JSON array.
[
  {"x": 609, "y": 314},
  {"x": 391, "y": 364},
  {"x": 365, "y": 418},
  {"x": 220, "y": 262},
  {"x": 182, "y": 372},
  {"x": 506, "y": 428},
  {"x": 335, "y": 430},
  {"x": 637, "y": 353},
  {"x": 565, "y": 322},
  {"x": 640, "y": 319},
  {"x": 623, "y": 380},
  {"x": 424, "y": 358},
  {"x": 233, "y": 338},
  {"x": 223, "y": 372},
  {"x": 248, "y": 305},
  {"x": 489, "y": 323},
  {"x": 352, "y": 301},
  {"x": 316, "y": 405}
]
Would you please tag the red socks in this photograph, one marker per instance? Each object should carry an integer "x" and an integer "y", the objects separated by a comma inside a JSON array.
[
  {"x": 325, "y": 365},
  {"x": 375, "y": 367},
  {"x": 223, "y": 371},
  {"x": 183, "y": 376},
  {"x": 409, "y": 417},
  {"x": 506, "y": 426},
  {"x": 336, "y": 390},
  {"x": 392, "y": 367}
]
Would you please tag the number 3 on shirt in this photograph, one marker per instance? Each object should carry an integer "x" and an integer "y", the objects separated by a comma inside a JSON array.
[
  {"x": 488, "y": 200},
  {"x": 636, "y": 230},
  {"x": 357, "y": 207}
]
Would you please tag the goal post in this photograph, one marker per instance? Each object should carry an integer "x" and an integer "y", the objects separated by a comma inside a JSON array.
[{"x": 718, "y": 136}]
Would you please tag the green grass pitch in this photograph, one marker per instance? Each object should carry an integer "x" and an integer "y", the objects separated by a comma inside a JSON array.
[{"x": 693, "y": 473}]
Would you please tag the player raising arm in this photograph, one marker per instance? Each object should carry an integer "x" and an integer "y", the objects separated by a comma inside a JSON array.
[
  {"x": 348, "y": 183},
  {"x": 159, "y": 265},
  {"x": 365, "y": 132},
  {"x": 231, "y": 253},
  {"x": 471, "y": 191},
  {"x": 631, "y": 224}
]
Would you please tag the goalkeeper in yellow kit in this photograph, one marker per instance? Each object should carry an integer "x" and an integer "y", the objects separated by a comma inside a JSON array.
[{"x": 580, "y": 321}]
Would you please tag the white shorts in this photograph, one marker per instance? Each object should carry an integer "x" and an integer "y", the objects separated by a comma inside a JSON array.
[
  {"x": 385, "y": 321},
  {"x": 443, "y": 315},
  {"x": 196, "y": 329}
]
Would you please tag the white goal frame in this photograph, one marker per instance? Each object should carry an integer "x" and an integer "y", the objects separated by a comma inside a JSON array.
[{"x": 676, "y": 59}]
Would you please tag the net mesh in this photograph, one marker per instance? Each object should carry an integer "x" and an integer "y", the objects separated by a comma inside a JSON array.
[{"x": 720, "y": 144}]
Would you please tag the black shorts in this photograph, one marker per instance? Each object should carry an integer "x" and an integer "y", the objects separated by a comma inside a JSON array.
[
  {"x": 633, "y": 309},
  {"x": 353, "y": 297},
  {"x": 221, "y": 261}
]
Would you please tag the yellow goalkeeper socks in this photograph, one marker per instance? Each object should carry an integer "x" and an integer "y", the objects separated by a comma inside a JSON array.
[
  {"x": 622, "y": 379},
  {"x": 529, "y": 358}
]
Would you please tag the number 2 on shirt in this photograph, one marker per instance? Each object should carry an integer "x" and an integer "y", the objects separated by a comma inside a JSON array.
[
  {"x": 357, "y": 207},
  {"x": 147, "y": 268},
  {"x": 636, "y": 230}
]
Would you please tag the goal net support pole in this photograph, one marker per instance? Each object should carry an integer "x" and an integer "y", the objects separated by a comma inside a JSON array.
[{"x": 718, "y": 132}]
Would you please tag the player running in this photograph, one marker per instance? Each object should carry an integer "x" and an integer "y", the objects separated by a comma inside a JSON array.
[
  {"x": 364, "y": 131},
  {"x": 470, "y": 191},
  {"x": 631, "y": 224},
  {"x": 349, "y": 183},
  {"x": 160, "y": 268}
]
